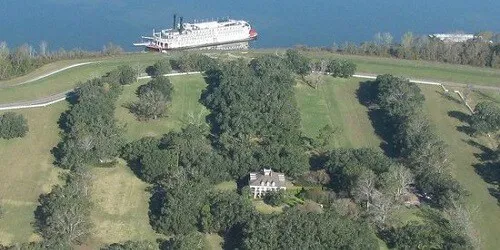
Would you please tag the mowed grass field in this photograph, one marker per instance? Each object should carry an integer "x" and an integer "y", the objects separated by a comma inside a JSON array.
[
  {"x": 120, "y": 198},
  {"x": 26, "y": 171},
  {"x": 335, "y": 103},
  {"x": 184, "y": 108},
  {"x": 69, "y": 78},
  {"x": 484, "y": 208}
]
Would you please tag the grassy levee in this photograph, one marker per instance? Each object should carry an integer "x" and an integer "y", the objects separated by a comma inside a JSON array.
[
  {"x": 408, "y": 68},
  {"x": 484, "y": 208},
  {"x": 27, "y": 171},
  {"x": 69, "y": 78},
  {"x": 335, "y": 103}
]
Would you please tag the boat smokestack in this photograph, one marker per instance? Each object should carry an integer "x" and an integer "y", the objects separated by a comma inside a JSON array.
[
  {"x": 181, "y": 22},
  {"x": 175, "y": 21}
]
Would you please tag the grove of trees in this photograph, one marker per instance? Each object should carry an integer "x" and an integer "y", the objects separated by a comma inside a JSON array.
[
  {"x": 153, "y": 99},
  {"x": 255, "y": 118},
  {"x": 13, "y": 125}
]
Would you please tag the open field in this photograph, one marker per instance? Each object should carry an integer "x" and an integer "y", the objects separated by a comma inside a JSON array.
[
  {"x": 121, "y": 201},
  {"x": 335, "y": 103},
  {"x": 485, "y": 211},
  {"x": 27, "y": 171},
  {"x": 121, "y": 205},
  {"x": 184, "y": 108}
]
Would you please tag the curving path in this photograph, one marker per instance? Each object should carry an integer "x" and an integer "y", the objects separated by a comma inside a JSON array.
[
  {"x": 45, "y": 101},
  {"x": 49, "y": 74}
]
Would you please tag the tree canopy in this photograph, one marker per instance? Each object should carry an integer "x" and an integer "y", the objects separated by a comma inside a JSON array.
[
  {"x": 13, "y": 125},
  {"x": 486, "y": 117},
  {"x": 92, "y": 134},
  {"x": 295, "y": 229},
  {"x": 255, "y": 117}
]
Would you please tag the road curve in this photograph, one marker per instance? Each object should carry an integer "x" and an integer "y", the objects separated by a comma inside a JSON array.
[
  {"x": 45, "y": 101},
  {"x": 49, "y": 74},
  {"x": 48, "y": 100}
]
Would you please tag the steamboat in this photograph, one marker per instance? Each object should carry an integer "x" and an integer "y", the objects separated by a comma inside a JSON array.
[{"x": 220, "y": 34}]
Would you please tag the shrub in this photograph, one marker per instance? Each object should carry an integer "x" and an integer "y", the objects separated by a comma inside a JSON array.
[
  {"x": 161, "y": 67},
  {"x": 341, "y": 68},
  {"x": 274, "y": 198},
  {"x": 13, "y": 125}
]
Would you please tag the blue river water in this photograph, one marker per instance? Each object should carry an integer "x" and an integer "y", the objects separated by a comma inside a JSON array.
[{"x": 89, "y": 24}]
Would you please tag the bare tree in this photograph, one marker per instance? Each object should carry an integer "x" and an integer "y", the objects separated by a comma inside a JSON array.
[
  {"x": 397, "y": 181},
  {"x": 365, "y": 190},
  {"x": 43, "y": 48},
  {"x": 382, "y": 207},
  {"x": 460, "y": 217}
]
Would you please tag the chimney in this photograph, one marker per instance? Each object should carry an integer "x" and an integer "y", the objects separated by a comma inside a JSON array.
[
  {"x": 267, "y": 172},
  {"x": 253, "y": 176},
  {"x": 281, "y": 177},
  {"x": 175, "y": 22}
]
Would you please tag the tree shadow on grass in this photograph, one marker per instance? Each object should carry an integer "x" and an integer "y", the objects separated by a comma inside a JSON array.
[
  {"x": 366, "y": 95},
  {"x": 488, "y": 167},
  {"x": 465, "y": 119}
]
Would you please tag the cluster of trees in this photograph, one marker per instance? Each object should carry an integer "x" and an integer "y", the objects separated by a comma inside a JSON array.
[
  {"x": 477, "y": 52},
  {"x": 187, "y": 62},
  {"x": 254, "y": 117},
  {"x": 13, "y": 125},
  {"x": 295, "y": 229},
  {"x": 91, "y": 132},
  {"x": 187, "y": 153},
  {"x": 26, "y": 58},
  {"x": 153, "y": 99},
  {"x": 159, "y": 68},
  {"x": 374, "y": 181},
  {"x": 413, "y": 140},
  {"x": 486, "y": 117},
  {"x": 63, "y": 216},
  {"x": 415, "y": 144}
]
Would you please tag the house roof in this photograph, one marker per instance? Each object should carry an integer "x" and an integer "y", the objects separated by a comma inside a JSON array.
[{"x": 267, "y": 176}]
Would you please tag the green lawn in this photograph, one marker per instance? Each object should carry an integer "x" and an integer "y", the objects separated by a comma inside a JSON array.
[
  {"x": 121, "y": 205},
  {"x": 484, "y": 207},
  {"x": 27, "y": 171},
  {"x": 335, "y": 103},
  {"x": 184, "y": 108}
]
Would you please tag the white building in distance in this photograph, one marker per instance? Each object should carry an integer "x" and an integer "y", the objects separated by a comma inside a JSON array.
[
  {"x": 265, "y": 181},
  {"x": 453, "y": 38}
]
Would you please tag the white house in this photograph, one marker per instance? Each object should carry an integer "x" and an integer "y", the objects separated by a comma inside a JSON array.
[{"x": 265, "y": 181}]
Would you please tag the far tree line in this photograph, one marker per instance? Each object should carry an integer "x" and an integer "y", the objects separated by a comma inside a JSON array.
[{"x": 477, "y": 52}]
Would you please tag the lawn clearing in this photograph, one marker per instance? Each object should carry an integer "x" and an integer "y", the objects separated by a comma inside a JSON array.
[
  {"x": 27, "y": 171},
  {"x": 184, "y": 109},
  {"x": 214, "y": 241},
  {"x": 484, "y": 208},
  {"x": 121, "y": 205},
  {"x": 335, "y": 103}
]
